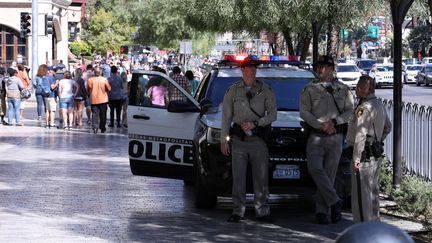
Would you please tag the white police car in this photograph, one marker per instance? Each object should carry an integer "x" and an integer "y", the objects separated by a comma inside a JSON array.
[{"x": 181, "y": 138}]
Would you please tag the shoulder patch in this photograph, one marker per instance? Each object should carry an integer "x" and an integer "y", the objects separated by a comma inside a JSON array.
[{"x": 360, "y": 112}]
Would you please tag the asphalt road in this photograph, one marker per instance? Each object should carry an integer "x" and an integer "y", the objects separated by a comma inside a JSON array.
[{"x": 410, "y": 93}]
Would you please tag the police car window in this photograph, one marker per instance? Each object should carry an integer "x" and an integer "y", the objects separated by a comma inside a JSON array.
[
  {"x": 153, "y": 91},
  {"x": 287, "y": 90}
]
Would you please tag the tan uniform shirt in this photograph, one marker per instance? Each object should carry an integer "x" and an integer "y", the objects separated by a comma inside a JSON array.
[
  {"x": 369, "y": 114},
  {"x": 317, "y": 105},
  {"x": 236, "y": 106}
]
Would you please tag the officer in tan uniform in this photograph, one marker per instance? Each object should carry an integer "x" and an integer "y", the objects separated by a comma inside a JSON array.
[
  {"x": 248, "y": 106},
  {"x": 370, "y": 123},
  {"x": 325, "y": 105}
]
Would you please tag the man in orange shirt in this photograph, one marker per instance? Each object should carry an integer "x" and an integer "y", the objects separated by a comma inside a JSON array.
[
  {"x": 22, "y": 74},
  {"x": 98, "y": 88}
]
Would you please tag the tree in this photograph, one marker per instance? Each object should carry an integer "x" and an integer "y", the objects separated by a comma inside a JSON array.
[{"x": 107, "y": 32}]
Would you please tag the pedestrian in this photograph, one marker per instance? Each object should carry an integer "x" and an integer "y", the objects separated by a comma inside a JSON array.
[
  {"x": 368, "y": 127},
  {"x": 250, "y": 104},
  {"x": 22, "y": 74},
  {"x": 193, "y": 83},
  {"x": 13, "y": 86},
  {"x": 50, "y": 85},
  {"x": 173, "y": 92},
  {"x": 37, "y": 85},
  {"x": 2, "y": 95},
  {"x": 115, "y": 96},
  {"x": 67, "y": 86},
  {"x": 125, "y": 97},
  {"x": 326, "y": 105},
  {"x": 86, "y": 75},
  {"x": 98, "y": 88},
  {"x": 80, "y": 97}
]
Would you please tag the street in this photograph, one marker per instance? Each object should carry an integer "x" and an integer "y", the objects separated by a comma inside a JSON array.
[
  {"x": 410, "y": 93},
  {"x": 74, "y": 186}
]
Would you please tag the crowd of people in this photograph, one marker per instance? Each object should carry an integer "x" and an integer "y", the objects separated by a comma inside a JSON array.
[{"x": 92, "y": 88}]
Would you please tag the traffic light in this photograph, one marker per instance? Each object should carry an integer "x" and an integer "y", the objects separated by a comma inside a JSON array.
[
  {"x": 124, "y": 49},
  {"x": 373, "y": 31},
  {"x": 25, "y": 24},
  {"x": 344, "y": 34},
  {"x": 48, "y": 24}
]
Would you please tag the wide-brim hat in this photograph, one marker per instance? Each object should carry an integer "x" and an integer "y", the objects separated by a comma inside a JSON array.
[{"x": 325, "y": 60}]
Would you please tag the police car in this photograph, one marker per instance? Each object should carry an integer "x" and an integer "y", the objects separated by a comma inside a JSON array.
[{"x": 181, "y": 138}]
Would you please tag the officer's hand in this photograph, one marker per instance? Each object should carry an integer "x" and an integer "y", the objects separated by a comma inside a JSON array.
[
  {"x": 225, "y": 149},
  {"x": 246, "y": 126},
  {"x": 357, "y": 165}
]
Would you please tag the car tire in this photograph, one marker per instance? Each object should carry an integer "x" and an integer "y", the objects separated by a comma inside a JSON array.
[
  {"x": 203, "y": 199},
  {"x": 417, "y": 82}
]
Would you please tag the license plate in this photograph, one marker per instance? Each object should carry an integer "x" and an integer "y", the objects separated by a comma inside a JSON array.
[{"x": 286, "y": 172}]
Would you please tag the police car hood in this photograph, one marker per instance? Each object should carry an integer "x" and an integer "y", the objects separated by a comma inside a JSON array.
[
  {"x": 284, "y": 119},
  {"x": 348, "y": 74}
]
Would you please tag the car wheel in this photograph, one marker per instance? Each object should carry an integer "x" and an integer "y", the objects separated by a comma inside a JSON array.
[
  {"x": 203, "y": 199},
  {"x": 417, "y": 82}
]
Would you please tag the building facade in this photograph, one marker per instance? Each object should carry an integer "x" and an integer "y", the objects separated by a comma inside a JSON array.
[{"x": 67, "y": 16}]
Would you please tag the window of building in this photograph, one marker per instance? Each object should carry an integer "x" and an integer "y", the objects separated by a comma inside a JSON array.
[{"x": 12, "y": 47}]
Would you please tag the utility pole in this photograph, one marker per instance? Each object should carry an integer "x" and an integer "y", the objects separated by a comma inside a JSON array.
[{"x": 35, "y": 53}]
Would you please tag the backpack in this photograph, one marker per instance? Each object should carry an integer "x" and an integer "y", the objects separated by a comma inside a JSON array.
[{"x": 45, "y": 87}]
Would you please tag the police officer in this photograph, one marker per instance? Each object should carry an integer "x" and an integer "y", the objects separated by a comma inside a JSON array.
[
  {"x": 369, "y": 124},
  {"x": 250, "y": 105},
  {"x": 325, "y": 105}
]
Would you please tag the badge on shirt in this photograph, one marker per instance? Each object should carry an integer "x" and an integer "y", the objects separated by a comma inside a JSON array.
[{"x": 360, "y": 112}]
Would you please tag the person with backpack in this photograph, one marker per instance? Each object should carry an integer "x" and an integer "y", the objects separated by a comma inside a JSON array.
[
  {"x": 13, "y": 86},
  {"x": 39, "y": 92},
  {"x": 49, "y": 85}
]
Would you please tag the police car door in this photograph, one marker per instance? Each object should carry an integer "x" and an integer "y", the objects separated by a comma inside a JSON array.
[{"x": 161, "y": 120}]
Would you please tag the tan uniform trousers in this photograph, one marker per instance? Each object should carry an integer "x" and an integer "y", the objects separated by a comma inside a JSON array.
[
  {"x": 253, "y": 150},
  {"x": 323, "y": 155},
  {"x": 365, "y": 205}
]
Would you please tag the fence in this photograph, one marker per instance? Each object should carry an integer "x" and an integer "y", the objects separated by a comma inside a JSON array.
[{"x": 416, "y": 138}]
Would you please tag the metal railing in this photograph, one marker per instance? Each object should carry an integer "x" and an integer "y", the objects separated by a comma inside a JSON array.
[{"x": 416, "y": 138}]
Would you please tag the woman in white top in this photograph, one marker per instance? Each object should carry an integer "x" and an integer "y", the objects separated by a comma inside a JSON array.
[{"x": 67, "y": 90}]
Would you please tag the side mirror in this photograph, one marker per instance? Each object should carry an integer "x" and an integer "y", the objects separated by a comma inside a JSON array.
[
  {"x": 205, "y": 105},
  {"x": 181, "y": 106}
]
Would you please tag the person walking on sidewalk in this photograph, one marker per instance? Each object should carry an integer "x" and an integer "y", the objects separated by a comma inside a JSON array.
[
  {"x": 98, "y": 88},
  {"x": 115, "y": 96},
  {"x": 2, "y": 95},
  {"x": 66, "y": 95},
  {"x": 13, "y": 86},
  {"x": 37, "y": 85}
]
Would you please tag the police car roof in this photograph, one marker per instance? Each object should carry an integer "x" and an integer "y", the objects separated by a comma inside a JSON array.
[{"x": 288, "y": 72}]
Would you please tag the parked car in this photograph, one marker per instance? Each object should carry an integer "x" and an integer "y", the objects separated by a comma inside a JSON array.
[
  {"x": 181, "y": 139},
  {"x": 365, "y": 65},
  {"x": 383, "y": 75},
  {"x": 424, "y": 76},
  {"x": 427, "y": 60},
  {"x": 411, "y": 72},
  {"x": 349, "y": 74}
]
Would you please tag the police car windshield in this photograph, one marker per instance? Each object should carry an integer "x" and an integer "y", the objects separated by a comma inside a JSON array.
[
  {"x": 287, "y": 91},
  {"x": 413, "y": 68},
  {"x": 366, "y": 63}
]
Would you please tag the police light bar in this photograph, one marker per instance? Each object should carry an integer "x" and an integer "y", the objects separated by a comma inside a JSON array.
[{"x": 235, "y": 60}]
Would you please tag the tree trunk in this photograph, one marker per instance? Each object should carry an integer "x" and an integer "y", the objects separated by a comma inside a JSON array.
[
  {"x": 288, "y": 40},
  {"x": 305, "y": 49}
]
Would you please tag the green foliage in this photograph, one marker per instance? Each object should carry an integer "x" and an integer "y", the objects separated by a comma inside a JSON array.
[
  {"x": 107, "y": 31},
  {"x": 414, "y": 195},
  {"x": 80, "y": 48},
  {"x": 419, "y": 39}
]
